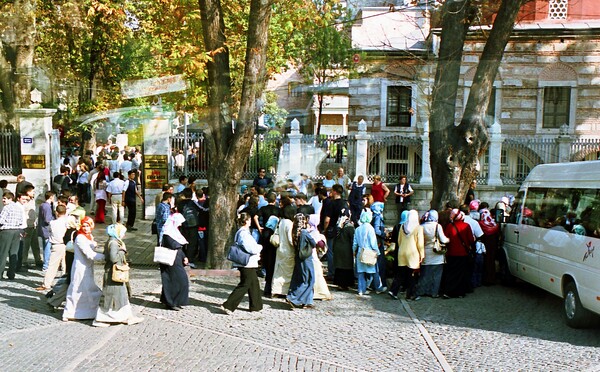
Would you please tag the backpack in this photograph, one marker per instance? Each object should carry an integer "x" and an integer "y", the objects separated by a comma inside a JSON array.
[{"x": 190, "y": 214}]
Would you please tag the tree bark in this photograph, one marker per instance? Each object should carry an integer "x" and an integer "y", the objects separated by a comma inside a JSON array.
[
  {"x": 229, "y": 149},
  {"x": 455, "y": 150},
  {"x": 444, "y": 145}
]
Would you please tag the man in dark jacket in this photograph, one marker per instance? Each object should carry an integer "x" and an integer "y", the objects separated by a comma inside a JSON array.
[{"x": 189, "y": 229}]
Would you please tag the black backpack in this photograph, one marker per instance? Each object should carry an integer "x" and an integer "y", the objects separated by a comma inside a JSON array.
[{"x": 190, "y": 213}]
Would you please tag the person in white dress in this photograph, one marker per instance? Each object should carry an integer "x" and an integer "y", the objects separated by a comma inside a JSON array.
[
  {"x": 285, "y": 257},
  {"x": 83, "y": 295}
]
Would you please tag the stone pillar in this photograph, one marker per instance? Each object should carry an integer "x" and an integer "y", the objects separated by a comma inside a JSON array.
[
  {"x": 295, "y": 149},
  {"x": 35, "y": 127},
  {"x": 495, "y": 155},
  {"x": 155, "y": 162},
  {"x": 425, "y": 157},
  {"x": 564, "y": 145},
  {"x": 362, "y": 149}
]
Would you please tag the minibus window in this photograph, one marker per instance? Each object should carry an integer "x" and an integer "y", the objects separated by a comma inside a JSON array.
[{"x": 516, "y": 209}]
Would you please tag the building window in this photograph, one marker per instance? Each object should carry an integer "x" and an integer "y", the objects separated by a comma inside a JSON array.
[
  {"x": 557, "y": 9},
  {"x": 399, "y": 106},
  {"x": 557, "y": 105}
]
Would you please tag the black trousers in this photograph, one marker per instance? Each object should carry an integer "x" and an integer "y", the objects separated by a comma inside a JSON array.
[
  {"x": 248, "y": 283},
  {"x": 191, "y": 249},
  {"x": 131, "y": 207}
]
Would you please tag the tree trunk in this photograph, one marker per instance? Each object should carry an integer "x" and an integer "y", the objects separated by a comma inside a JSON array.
[
  {"x": 455, "y": 150},
  {"x": 25, "y": 29},
  {"x": 445, "y": 169},
  {"x": 229, "y": 149}
]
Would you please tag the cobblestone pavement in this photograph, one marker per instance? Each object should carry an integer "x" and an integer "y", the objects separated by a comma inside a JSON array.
[{"x": 496, "y": 328}]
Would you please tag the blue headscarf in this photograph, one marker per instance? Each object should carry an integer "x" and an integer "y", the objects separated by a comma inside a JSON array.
[
  {"x": 377, "y": 207},
  {"x": 365, "y": 217},
  {"x": 116, "y": 231},
  {"x": 403, "y": 217},
  {"x": 432, "y": 216}
]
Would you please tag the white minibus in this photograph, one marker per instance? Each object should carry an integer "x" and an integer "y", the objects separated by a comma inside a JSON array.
[{"x": 551, "y": 235}]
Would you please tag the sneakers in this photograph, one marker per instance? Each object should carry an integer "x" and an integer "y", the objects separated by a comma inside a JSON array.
[
  {"x": 135, "y": 320},
  {"x": 393, "y": 296},
  {"x": 382, "y": 290},
  {"x": 226, "y": 311}
]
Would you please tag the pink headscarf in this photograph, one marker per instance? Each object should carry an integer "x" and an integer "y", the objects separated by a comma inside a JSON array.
[{"x": 456, "y": 215}]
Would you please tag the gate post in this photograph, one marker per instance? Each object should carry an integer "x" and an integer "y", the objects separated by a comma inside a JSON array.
[
  {"x": 362, "y": 147},
  {"x": 425, "y": 157},
  {"x": 157, "y": 149},
  {"x": 495, "y": 156},
  {"x": 35, "y": 125}
]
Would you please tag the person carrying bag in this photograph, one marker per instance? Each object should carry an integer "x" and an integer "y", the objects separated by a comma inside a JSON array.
[{"x": 248, "y": 275}]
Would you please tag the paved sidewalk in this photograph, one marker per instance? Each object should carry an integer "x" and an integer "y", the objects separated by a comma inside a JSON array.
[{"x": 494, "y": 329}]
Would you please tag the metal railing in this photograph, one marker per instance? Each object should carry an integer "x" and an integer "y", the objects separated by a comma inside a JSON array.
[{"x": 10, "y": 153}]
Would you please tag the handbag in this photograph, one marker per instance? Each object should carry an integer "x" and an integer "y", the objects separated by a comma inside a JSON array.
[
  {"x": 274, "y": 239},
  {"x": 120, "y": 273},
  {"x": 368, "y": 256},
  {"x": 154, "y": 228},
  {"x": 438, "y": 247},
  {"x": 164, "y": 256},
  {"x": 237, "y": 254}
]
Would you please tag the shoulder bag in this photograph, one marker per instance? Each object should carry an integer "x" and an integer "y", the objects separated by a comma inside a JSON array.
[
  {"x": 164, "y": 255},
  {"x": 120, "y": 273},
  {"x": 274, "y": 239},
  {"x": 237, "y": 254},
  {"x": 438, "y": 247},
  {"x": 305, "y": 250},
  {"x": 367, "y": 255}
]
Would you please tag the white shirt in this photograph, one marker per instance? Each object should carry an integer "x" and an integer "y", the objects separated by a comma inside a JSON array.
[
  {"x": 116, "y": 187},
  {"x": 57, "y": 230}
]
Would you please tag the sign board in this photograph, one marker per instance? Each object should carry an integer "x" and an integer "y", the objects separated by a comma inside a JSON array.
[
  {"x": 27, "y": 140},
  {"x": 33, "y": 161},
  {"x": 155, "y": 162},
  {"x": 153, "y": 86},
  {"x": 156, "y": 178}
]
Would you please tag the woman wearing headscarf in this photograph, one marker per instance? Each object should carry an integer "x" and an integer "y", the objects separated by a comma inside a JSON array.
[
  {"x": 114, "y": 304},
  {"x": 301, "y": 291},
  {"x": 321, "y": 290},
  {"x": 456, "y": 279},
  {"x": 379, "y": 226},
  {"x": 175, "y": 284},
  {"x": 397, "y": 285},
  {"x": 491, "y": 234},
  {"x": 433, "y": 263},
  {"x": 343, "y": 256},
  {"x": 248, "y": 276},
  {"x": 365, "y": 238},
  {"x": 411, "y": 251},
  {"x": 284, "y": 260},
  {"x": 83, "y": 294}
]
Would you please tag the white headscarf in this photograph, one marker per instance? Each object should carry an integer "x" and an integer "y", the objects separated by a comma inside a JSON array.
[
  {"x": 412, "y": 222},
  {"x": 171, "y": 228}
]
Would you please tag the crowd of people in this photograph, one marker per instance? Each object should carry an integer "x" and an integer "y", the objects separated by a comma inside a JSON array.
[{"x": 288, "y": 235}]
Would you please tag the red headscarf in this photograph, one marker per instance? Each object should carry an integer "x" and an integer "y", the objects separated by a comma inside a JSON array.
[{"x": 86, "y": 221}]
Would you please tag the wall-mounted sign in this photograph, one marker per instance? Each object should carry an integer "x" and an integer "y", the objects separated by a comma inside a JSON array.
[
  {"x": 155, "y": 162},
  {"x": 152, "y": 86},
  {"x": 33, "y": 161},
  {"x": 27, "y": 140},
  {"x": 156, "y": 178}
]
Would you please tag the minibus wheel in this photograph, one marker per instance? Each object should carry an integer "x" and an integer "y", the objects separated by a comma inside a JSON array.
[{"x": 576, "y": 316}]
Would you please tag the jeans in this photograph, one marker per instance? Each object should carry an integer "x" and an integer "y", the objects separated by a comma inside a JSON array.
[
  {"x": 47, "y": 250},
  {"x": 329, "y": 255},
  {"x": 364, "y": 277},
  {"x": 202, "y": 246}
]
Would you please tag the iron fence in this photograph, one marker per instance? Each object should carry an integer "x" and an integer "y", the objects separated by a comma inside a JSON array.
[
  {"x": 10, "y": 153},
  {"x": 391, "y": 156},
  {"x": 585, "y": 149}
]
